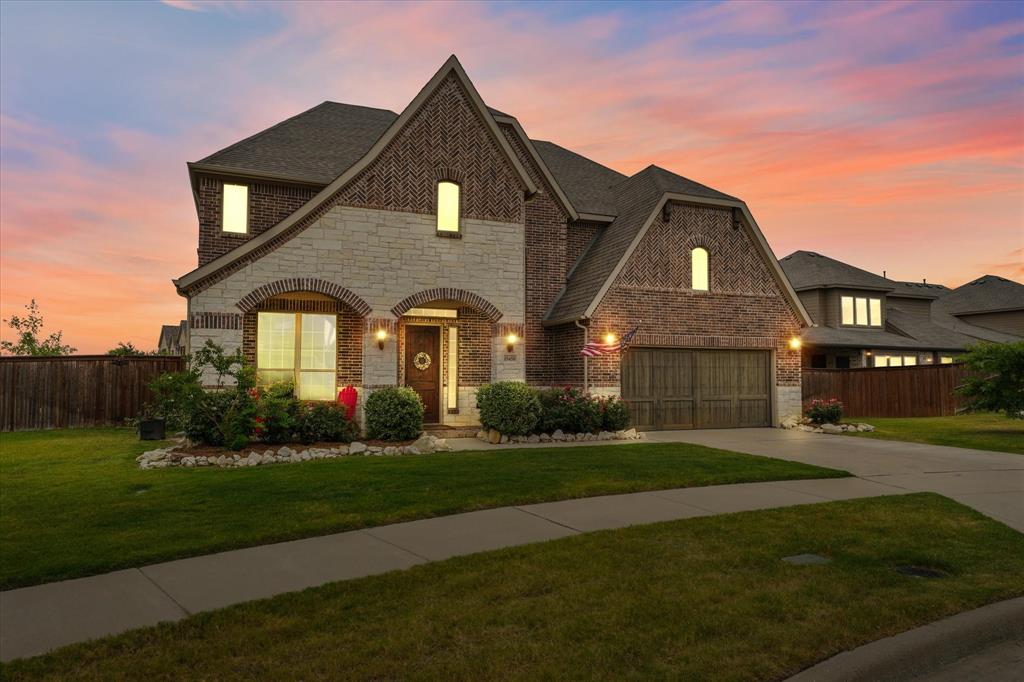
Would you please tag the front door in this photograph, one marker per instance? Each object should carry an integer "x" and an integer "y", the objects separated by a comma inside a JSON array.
[{"x": 423, "y": 368}]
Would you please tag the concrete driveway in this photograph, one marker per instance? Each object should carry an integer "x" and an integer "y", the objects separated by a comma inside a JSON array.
[{"x": 991, "y": 482}]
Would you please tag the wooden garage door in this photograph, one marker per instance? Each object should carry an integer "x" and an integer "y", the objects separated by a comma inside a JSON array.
[{"x": 678, "y": 388}]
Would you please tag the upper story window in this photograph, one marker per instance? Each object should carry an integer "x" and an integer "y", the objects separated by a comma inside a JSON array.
[
  {"x": 699, "y": 269},
  {"x": 236, "y": 209},
  {"x": 864, "y": 312},
  {"x": 447, "y": 206}
]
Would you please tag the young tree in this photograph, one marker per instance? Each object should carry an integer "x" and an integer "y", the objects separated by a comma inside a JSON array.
[
  {"x": 126, "y": 348},
  {"x": 996, "y": 379},
  {"x": 29, "y": 329}
]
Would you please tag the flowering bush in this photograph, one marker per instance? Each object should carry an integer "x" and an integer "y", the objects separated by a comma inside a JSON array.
[
  {"x": 570, "y": 410},
  {"x": 825, "y": 411},
  {"x": 614, "y": 414}
]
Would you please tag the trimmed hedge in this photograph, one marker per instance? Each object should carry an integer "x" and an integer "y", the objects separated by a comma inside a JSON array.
[
  {"x": 509, "y": 407},
  {"x": 394, "y": 413},
  {"x": 515, "y": 409}
]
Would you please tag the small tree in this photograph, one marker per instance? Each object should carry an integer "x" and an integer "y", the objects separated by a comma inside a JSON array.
[
  {"x": 124, "y": 349},
  {"x": 995, "y": 382},
  {"x": 28, "y": 330}
]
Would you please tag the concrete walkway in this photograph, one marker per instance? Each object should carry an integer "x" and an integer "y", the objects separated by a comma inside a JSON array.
[{"x": 34, "y": 620}]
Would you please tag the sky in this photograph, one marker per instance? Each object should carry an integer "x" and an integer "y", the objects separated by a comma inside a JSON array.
[{"x": 888, "y": 135}]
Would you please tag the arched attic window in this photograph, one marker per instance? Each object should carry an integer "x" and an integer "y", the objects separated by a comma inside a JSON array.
[
  {"x": 699, "y": 269},
  {"x": 448, "y": 217}
]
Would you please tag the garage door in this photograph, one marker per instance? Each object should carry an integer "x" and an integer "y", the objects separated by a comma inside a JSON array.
[{"x": 678, "y": 388}]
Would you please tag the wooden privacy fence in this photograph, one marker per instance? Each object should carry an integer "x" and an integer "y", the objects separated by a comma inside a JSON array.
[
  {"x": 76, "y": 390},
  {"x": 920, "y": 391}
]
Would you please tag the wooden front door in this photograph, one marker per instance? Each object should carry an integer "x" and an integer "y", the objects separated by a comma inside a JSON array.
[{"x": 423, "y": 368}]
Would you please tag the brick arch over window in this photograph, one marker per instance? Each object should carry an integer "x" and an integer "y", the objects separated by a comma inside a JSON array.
[
  {"x": 699, "y": 241},
  {"x": 467, "y": 298},
  {"x": 319, "y": 286}
]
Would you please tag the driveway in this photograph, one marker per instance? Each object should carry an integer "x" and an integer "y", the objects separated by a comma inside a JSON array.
[{"x": 991, "y": 482}]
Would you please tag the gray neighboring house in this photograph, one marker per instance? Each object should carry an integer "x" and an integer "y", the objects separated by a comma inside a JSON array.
[
  {"x": 866, "y": 320},
  {"x": 173, "y": 339}
]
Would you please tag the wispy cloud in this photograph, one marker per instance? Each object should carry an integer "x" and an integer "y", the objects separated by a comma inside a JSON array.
[{"x": 887, "y": 134}]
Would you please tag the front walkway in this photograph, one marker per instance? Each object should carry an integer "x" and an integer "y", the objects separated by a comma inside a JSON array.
[{"x": 34, "y": 620}]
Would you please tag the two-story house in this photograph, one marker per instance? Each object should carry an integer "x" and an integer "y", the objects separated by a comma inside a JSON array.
[
  {"x": 867, "y": 320},
  {"x": 442, "y": 248}
]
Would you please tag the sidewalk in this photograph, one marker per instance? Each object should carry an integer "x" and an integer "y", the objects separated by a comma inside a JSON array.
[{"x": 34, "y": 620}]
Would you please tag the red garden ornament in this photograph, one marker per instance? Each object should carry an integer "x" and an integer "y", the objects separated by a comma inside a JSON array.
[{"x": 348, "y": 397}]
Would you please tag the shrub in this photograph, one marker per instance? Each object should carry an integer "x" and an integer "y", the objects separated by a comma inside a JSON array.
[
  {"x": 569, "y": 410},
  {"x": 614, "y": 414},
  {"x": 328, "y": 422},
  {"x": 995, "y": 382},
  {"x": 825, "y": 411},
  {"x": 174, "y": 397},
  {"x": 394, "y": 413},
  {"x": 509, "y": 407},
  {"x": 276, "y": 412}
]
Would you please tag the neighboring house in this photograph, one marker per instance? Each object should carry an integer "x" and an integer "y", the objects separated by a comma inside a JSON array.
[
  {"x": 173, "y": 339},
  {"x": 442, "y": 248},
  {"x": 991, "y": 302},
  {"x": 867, "y": 320}
]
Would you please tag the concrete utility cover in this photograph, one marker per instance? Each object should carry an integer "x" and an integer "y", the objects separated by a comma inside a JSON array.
[
  {"x": 920, "y": 572},
  {"x": 806, "y": 559}
]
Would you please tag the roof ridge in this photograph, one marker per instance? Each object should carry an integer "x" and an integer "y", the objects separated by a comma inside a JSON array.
[{"x": 360, "y": 106}]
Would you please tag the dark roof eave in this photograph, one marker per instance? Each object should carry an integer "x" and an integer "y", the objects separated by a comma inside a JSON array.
[
  {"x": 830, "y": 285},
  {"x": 924, "y": 347},
  {"x": 213, "y": 169},
  {"x": 960, "y": 313}
]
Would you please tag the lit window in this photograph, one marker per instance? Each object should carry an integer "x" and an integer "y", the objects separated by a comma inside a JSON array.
[
  {"x": 453, "y": 368},
  {"x": 895, "y": 360},
  {"x": 236, "y": 209},
  {"x": 861, "y": 311},
  {"x": 699, "y": 269},
  {"x": 312, "y": 368},
  {"x": 447, "y": 207},
  {"x": 909, "y": 360},
  {"x": 946, "y": 360}
]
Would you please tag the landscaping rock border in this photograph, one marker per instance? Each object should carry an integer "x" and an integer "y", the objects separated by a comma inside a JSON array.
[
  {"x": 171, "y": 456},
  {"x": 493, "y": 437},
  {"x": 810, "y": 427}
]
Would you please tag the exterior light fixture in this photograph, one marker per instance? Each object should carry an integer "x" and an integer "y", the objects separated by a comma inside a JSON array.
[
  {"x": 510, "y": 342},
  {"x": 794, "y": 343},
  {"x": 382, "y": 336},
  {"x": 609, "y": 338}
]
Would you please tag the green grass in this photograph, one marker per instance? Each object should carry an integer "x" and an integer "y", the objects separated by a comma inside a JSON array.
[
  {"x": 703, "y": 598},
  {"x": 74, "y": 503},
  {"x": 977, "y": 431}
]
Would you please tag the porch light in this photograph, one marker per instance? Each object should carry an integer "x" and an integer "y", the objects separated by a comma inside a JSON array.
[
  {"x": 609, "y": 338},
  {"x": 794, "y": 343},
  {"x": 510, "y": 342},
  {"x": 382, "y": 336}
]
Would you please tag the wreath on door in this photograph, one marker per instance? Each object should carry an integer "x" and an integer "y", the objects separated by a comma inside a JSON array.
[{"x": 421, "y": 361}]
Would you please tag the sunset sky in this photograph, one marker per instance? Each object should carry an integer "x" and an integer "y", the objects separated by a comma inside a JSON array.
[{"x": 888, "y": 135}]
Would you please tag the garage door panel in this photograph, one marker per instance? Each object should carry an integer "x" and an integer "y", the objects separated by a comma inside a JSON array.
[{"x": 678, "y": 388}]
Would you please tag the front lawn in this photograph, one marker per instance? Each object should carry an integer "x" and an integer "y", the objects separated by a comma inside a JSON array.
[
  {"x": 74, "y": 502},
  {"x": 705, "y": 598},
  {"x": 978, "y": 431}
]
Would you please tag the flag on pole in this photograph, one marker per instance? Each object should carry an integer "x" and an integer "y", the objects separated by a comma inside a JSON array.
[{"x": 595, "y": 348}]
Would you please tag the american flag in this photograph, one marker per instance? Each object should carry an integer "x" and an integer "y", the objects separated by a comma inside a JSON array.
[{"x": 595, "y": 348}]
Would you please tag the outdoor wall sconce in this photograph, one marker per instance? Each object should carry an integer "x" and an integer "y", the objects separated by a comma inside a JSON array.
[
  {"x": 382, "y": 336},
  {"x": 609, "y": 338},
  {"x": 794, "y": 343},
  {"x": 510, "y": 342}
]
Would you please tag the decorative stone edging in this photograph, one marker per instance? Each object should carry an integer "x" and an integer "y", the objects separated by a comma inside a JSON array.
[
  {"x": 493, "y": 437},
  {"x": 810, "y": 427},
  {"x": 170, "y": 456}
]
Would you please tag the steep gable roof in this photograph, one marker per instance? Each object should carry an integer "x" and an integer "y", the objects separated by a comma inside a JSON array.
[
  {"x": 315, "y": 146},
  {"x": 587, "y": 183},
  {"x": 810, "y": 270},
  {"x": 294, "y": 222},
  {"x": 989, "y": 293}
]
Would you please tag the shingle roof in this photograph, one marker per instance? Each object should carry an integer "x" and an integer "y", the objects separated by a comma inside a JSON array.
[
  {"x": 587, "y": 183},
  {"x": 985, "y": 294},
  {"x": 810, "y": 270},
  {"x": 918, "y": 290},
  {"x": 316, "y": 146}
]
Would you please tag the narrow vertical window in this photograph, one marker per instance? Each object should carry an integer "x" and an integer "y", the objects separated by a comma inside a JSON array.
[
  {"x": 876, "y": 312},
  {"x": 447, "y": 207},
  {"x": 236, "y": 209},
  {"x": 699, "y": 269},
  {"x": 319, "y": 357},
  {"x": 846, "y": 303},
  {"x": 453, "y": 368},
  {"x": 275, "y": 347},
  {"x": 861, "y": 306}
]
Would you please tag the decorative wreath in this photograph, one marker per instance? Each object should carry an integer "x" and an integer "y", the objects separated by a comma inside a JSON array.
[{"x": 421, "y": 361}]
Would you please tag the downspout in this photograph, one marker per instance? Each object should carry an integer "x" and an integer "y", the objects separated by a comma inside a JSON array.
[{"x": 586, "y": 337}]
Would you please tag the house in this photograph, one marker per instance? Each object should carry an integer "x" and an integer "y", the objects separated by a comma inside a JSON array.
[
  {"x": 867, "y": 320},
  {"x": 442, "y": 248},
  {"x": 173, "y": 339}
]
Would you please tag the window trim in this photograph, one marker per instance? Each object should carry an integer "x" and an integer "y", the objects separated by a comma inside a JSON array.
[
  {"x": 854, "y": 301},
  {"x": 707, "y": 269},
  {"x": 457, "y": 232},
  {"x": 224, "y": 207},
  {"x": 297, "y": 369}
]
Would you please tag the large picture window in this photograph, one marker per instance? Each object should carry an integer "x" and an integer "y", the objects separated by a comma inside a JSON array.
[
  {"x": 862, "y": 312},
  {"x": 299, "y": 347}
]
